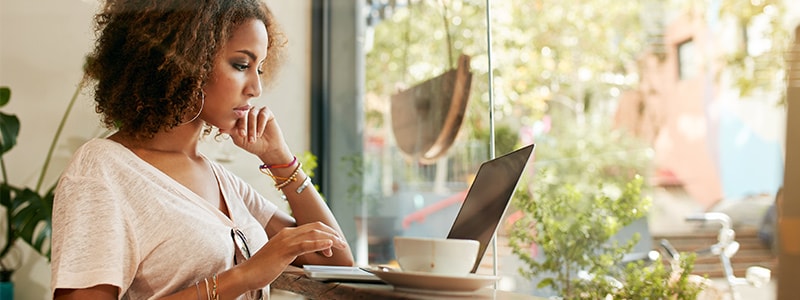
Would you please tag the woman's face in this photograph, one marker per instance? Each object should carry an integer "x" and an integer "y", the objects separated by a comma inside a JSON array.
[{"x": 235, "y": 78}]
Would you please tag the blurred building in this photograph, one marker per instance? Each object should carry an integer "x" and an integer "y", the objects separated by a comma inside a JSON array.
[{"x": 708, "y": 139}]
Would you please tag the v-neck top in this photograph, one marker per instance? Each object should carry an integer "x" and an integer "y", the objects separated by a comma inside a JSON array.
[{"x": 119, "y": 220}]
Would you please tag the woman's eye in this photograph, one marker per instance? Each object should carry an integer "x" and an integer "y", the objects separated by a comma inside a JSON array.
[
  {"x": 240, "y": 67},
  {"x": 260, "y": 72}
]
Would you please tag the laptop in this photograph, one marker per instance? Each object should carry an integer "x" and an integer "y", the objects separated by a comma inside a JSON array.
[
  {"x": 483, "y": 208},
  {"x": 488, "y": 198}
]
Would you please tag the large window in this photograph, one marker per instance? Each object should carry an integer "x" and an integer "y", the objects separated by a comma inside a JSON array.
[{"x": 406, "y": 116}]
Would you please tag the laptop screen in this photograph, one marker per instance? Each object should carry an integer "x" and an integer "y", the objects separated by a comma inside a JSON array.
[{"x": 488, "y": 198}]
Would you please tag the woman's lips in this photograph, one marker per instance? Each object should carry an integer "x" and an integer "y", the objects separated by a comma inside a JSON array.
[{"x": 242, "y": 111}]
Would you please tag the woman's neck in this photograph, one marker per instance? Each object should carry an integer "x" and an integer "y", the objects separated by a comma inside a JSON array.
[{"x": 181, "y": 139}]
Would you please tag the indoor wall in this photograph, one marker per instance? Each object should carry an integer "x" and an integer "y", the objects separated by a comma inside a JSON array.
[{"x": 42, "y": 47}]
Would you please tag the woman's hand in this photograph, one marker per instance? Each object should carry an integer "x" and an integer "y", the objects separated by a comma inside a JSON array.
[
  {"x": 285, "y": 246},
  {"x": 258, "y": 133}
]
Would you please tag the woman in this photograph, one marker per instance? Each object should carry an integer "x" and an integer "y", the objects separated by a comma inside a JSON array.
[{"x": 143, "y": 214}]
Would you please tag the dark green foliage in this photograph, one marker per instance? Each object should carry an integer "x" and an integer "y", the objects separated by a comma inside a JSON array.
[{"x": 28, "y": 212}]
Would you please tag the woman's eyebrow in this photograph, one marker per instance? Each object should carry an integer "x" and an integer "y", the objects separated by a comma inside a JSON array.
[{"x": 248, "y": 53}]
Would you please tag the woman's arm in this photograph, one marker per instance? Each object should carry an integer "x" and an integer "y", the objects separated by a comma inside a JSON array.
[
  {"x": 98, "y": 292},
  {"x": 307, "y": 207},
  {"x": 260, "y": 134},
  {"x": 227, "y": 285}
]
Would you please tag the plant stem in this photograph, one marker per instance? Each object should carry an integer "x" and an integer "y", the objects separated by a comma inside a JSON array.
[
  {"x": 10, "y": 237},
  {"x": 9, "y": 230},
  {"x": 3, "y": 168},
  {"x": 58, "y": 134}
]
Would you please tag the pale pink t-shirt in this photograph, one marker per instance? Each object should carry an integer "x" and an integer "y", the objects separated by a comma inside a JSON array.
[{"x": 118, "y": 220}]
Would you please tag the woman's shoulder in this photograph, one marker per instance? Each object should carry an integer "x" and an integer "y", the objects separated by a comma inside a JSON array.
[
  {"x": 96, "y": 145},
  {"x": 94, "y": 166},
  {"x": 97, "y": 153}
]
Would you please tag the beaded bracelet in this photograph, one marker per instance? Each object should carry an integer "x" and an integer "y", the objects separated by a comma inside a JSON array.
[
  {"x": 290, "y": 179},
  {"x": 278, "y": 166}
]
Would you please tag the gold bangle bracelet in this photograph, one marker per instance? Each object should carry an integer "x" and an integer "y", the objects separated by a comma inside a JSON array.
[
  {"x": 214, "y": 294},
  {"x": 208, "y": 291}
]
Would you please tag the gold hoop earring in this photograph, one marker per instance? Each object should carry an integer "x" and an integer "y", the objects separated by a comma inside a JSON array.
[{"x": 202, "y": 104}]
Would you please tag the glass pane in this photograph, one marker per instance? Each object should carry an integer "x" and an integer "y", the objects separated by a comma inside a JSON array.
[
  {"x": 425, "y": 112},
  {"x": 634, "y": 127}
]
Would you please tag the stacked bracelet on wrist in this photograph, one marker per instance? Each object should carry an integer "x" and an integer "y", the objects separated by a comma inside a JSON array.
[
  {"x": 214, "y": 295},
  {"x": 288, "y": 180},
  {"x": 211, "y": 288},
  {"x": 281, "y": 182}
]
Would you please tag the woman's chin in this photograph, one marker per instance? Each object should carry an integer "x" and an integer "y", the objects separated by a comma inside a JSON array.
[{"x": 225, "y": 128}]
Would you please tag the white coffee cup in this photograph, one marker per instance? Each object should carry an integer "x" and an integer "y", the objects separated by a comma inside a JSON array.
[{"x": 436, "y": 255}]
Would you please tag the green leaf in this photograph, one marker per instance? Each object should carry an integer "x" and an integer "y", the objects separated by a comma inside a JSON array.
[
  {"x": 31, "y": 218},
  {"x": 5, "y": 195},
  {"x": 5, "y": 95},
  {"x": 9, "y": 129},
  {"x": 546, "y": 283}
]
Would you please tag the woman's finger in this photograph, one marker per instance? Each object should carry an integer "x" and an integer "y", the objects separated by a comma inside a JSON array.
[
  {"x": 241, "y": 127},
  {"x": 311, "y": 246},
  {"x": 235, "y": 133},
  {"x": 318, "y": 231},
  {"x": 322, "y": 228},
  {"x": 263, "y": 118},
  {"x": 252, "y": 124}
]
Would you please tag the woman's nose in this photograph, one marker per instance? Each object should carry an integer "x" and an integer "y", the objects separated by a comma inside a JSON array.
[{"x": 253, "y": 88}]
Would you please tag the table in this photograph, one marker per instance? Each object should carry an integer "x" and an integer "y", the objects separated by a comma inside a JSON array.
[{"x": 293, "y": 280}]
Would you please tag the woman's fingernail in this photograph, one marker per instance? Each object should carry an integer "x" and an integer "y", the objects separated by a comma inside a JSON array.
[
  {"x": 252, "y": 139},
  {"x": 242, "y": 132}
]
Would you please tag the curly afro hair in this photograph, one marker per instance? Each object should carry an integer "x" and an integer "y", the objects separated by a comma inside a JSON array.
[{"x": 153, "y": 57}]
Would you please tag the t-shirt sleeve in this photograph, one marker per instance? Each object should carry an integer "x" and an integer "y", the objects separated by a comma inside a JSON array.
[{"x": 92, "y": 241}]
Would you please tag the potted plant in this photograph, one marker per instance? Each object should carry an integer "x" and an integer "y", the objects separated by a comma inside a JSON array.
[
  {"x": 28, "y": 211},
  {"x": 587, "y": 189},
  {"x": 427, "y": 116},
  {"x": 585, "y": 224}
]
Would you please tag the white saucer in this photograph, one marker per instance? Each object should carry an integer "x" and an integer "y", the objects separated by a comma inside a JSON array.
[{"x": 433, "y": 283}]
